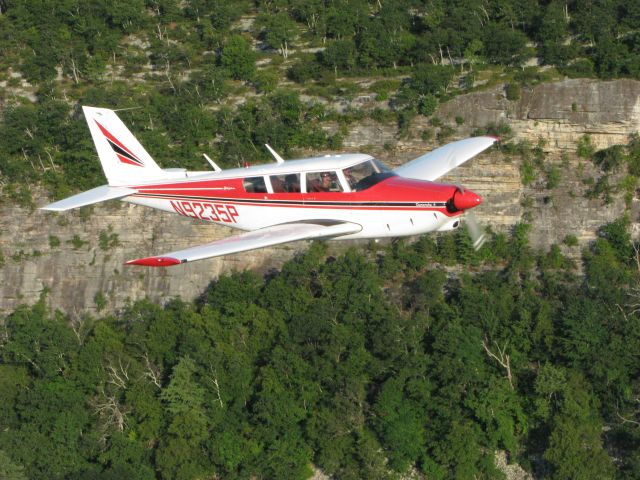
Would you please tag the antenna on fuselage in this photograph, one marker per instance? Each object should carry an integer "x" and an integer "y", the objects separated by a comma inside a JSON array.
[
  {"x": 278, "y": 158},
  {"x": 212, "y": 163}
]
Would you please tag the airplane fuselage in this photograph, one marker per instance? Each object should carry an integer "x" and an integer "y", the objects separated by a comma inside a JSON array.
[{"x": 393, "y": 206}]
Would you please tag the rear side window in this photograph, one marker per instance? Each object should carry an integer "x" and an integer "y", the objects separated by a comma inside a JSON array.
[
  {"x": 255, "y": 185},
  {"x": 289, "y": 183}
]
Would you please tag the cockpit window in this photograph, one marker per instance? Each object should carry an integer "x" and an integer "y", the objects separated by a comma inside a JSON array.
[{"x": 366, "y": 174}]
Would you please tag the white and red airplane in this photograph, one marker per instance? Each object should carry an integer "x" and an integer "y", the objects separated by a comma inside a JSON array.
[{"x": 345, "y": 196}]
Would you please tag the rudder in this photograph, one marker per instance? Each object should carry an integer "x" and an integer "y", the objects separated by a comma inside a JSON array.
[{"x": 124, "y": 160}]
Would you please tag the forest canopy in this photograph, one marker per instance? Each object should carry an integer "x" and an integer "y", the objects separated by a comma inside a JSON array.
[{"x": 423, "y": 355}]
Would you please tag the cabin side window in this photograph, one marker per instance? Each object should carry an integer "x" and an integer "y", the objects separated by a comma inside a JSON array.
[
  {"x": 323, "y": 182},
  {"x": 289, "y": 183},
  {"x": 255, "y": 185}
]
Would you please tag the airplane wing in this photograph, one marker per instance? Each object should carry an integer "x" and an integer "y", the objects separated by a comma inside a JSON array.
[
  {"x": 264, "y": 237},
  {"x": 95, "y": 195},
  {"x": 440, "y": 161}
]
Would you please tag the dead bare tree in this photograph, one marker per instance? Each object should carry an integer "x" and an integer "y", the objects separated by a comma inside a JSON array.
[
  {"x": 152, "y": 372},
  {"x": 119, "y": 375},
  {"x": 634, "y": 292},
  {"x": 216, "y": 385},
  {"x": 46, "y": 150},
  {"x": 112, "y": 414},
  {"x": 167, "y": 73},
  {"x": 502, "y": 358},
  {"x": 26, "y": 157},
  {"x": 627, "y": 420}
]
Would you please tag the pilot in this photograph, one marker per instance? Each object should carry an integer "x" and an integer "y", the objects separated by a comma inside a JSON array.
[
  {"x": 324, "y": 185},
  {"x": 348, "y": 173}
]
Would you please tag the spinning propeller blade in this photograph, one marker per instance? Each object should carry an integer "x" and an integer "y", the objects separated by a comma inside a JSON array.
[{"x": 475, "y": 230}]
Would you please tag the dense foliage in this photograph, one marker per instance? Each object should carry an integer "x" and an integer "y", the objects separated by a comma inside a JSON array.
[
  {"x": 83, "y": 37},
  {"x": 206, "y": 76},
  {"x": 365, "y": 365}
]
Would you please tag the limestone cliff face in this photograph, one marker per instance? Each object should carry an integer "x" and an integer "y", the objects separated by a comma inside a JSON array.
[
  {"x": 79, "y": 256},
  {"x": 556, "y": 113}
]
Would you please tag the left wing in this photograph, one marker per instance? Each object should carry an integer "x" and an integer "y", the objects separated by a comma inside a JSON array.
[
  {"x": 264, "y": 237},
  {"x": 440, "y": 161},
  {"x": 95, "y": 195}
]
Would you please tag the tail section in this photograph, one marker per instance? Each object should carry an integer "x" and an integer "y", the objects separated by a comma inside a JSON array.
[{"x": 123, "y": 159}]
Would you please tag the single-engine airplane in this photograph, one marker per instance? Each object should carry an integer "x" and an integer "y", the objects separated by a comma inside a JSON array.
[{"x": 344, "y": 196}]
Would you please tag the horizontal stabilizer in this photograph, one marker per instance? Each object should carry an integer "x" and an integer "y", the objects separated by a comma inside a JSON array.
[
  {"x": 95, "y": 195},
  {"x": 440, "y": 161},
  {"x": 265, "y": 237}
]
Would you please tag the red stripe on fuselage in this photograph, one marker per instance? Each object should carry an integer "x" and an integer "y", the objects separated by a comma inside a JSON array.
[
  {"x": 409, "y": 194},
  {"x": 304, "y": 204}
]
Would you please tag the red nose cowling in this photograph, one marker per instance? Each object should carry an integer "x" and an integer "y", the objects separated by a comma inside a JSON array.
[{"x": 466, "y": 199}]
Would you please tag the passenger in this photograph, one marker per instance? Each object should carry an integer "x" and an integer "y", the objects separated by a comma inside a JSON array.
[
  {"x": 292, "y": 185},
  {"x": 277, "y": 185},
  {"x": 324, "y": 185}
]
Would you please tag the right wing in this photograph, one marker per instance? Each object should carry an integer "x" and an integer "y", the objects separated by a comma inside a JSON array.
[
  {"x": 264, "y": 237},
  {"x": 440, "y": 161}
]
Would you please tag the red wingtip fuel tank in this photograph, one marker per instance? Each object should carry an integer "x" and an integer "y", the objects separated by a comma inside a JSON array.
[
  {"x": 463, "y": 200},
  {"x": 155, "y": 262}
]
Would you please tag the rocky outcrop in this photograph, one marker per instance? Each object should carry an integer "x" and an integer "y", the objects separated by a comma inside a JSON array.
[
  {"x": 79, "y": 256},
  {"x": 559, "y": 113}
]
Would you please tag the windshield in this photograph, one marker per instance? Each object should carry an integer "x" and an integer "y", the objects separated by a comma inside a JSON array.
[{"x": 366, "y": 174}]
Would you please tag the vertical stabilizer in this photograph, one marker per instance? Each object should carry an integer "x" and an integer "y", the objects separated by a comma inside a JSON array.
[{"x": 124, "y": 160}]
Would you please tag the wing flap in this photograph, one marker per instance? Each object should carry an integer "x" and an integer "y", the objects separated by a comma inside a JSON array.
[
  {"x": 95, "y": 195},
  {"x": 440, "y": 161},
  {"x": 265, "y": 237}
]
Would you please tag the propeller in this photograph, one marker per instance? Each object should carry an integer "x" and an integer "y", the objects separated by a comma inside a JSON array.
[
  {"x": 465, "y": 200},
  {"x": 475, "y": 230}
]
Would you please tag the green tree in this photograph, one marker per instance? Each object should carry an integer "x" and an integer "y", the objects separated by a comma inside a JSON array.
[
  {"x": 279, "y": 31},
  {"x": 9, "y": 470},
  {"x": 340, "y": 54},
  {"x": 180, "y": 454},
  {"x": 575, "y": 445},
  {"x": 238, "y": 58},
  {"x": 399, "y": 425},
  {"x": 505, "y": 46}
]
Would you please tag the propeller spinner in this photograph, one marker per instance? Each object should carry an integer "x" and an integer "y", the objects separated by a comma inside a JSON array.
[{"x": 464, "y": 200}]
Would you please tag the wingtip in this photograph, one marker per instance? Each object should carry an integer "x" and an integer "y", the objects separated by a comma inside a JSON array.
[
  {"x": 155, "y": 261},
  {"x": 495, "y": 137}
]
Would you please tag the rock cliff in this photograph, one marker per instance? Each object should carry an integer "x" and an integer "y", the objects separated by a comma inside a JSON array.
[{"x": 78, "y": 256}]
